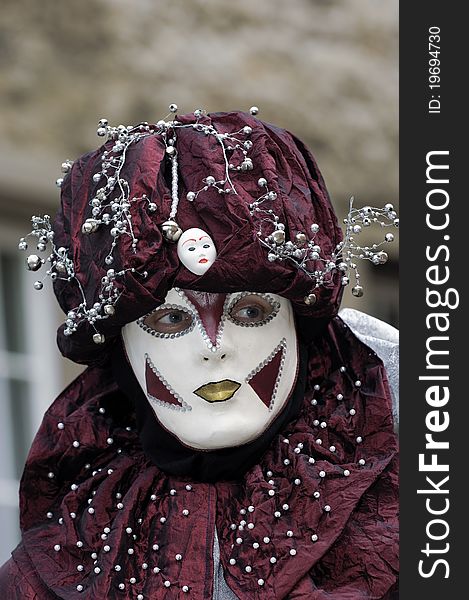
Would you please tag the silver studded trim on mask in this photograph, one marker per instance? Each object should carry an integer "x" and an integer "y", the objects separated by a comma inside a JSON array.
[
  {"x": 200, "y": 325},
  {"x": 283, "y": 346},
  {"x": 141, "y": 322},
  {"x": 183, "y": 405},
  {"x": 234, "y": 300}
]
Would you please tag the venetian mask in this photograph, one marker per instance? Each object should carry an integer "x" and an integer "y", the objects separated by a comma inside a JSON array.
[
  {"x": 196, "y": 250},
  {"x": 216, "y": 368}
]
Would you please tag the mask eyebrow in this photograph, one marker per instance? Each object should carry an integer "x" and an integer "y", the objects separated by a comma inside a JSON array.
[
  {"x": 202, "y": 237},
  {"x": 187, "y": 241}
]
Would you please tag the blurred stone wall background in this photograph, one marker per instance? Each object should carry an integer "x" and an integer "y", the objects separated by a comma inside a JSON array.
[{"x": 324, "y": 69}]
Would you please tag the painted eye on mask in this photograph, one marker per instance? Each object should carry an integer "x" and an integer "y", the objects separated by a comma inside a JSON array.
[
  {"x": 168, "y": 321},
  {"x": 253, "y": 310}
]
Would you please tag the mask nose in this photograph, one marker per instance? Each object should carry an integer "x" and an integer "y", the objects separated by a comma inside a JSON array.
[{"x": 215, "y": 357}]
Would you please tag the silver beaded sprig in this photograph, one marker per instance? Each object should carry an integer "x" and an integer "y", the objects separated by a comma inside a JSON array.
[
  {"x": 114, "y": 210},
  {"x": 305, "y": 252},
  {"x": 61, "y": 268}
]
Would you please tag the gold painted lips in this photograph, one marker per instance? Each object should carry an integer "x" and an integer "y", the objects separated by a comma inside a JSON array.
[{"x": 219, "y": 391}]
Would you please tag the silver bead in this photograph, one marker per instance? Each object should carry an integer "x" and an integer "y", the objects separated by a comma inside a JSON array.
[
  {"x": 247, "y": 165},
  {"x": 248, "y": 568},
  {"x": 289, "y": 533},
  {"x": 293, "y": 552},
  {"x": 170, "y": 150},
  {"x": 247, "y": 130},
  {"x": 359, "y": 439},
  {"x": 38, "y": 285},
  {"x": 152, "y": 207},
  {"x": 57, "y": 547},
  {"x": 90, "y": 226},
  {"x": 33, "y": 262},
  {"x": 178, "y": 556},
  {"x": 232, "y": 561},
  {"x": 361, "y": 461},
  {"x": 389, "y": 237},
  {"x": 210, "y": 180},
  {"x": 352, "y": 412},
  {"x": 260, "y": 582},
  {"x": 173, "y": 108},
  {"x": 300, "y": 238},
  {"x": 185, "y": 588},
  {"x": 109, "y": 310},
  {"x": 310, "y": 299},
  {"x": 346, "y": 473},
  {"x": 171, "y": 231},
  {"x": 254, "y": 110},
  {"x": 327, "y": 508},
  {"x": 190, "y": 196},
  {"x": 98, "y": 338},
  {"x": 314, "y": 538},
  {"x": 59, "y": 181},
  {"x": 79, "y": 588},
  {"x": 279, "y": 236},
  {"x": 262, "y": 182},
  {"x": 382, "y": 257},
  {"x": 357, "y": 291}
]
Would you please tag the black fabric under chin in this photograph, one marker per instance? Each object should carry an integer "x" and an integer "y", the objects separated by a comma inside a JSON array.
[{"x": 172, "y": 457}]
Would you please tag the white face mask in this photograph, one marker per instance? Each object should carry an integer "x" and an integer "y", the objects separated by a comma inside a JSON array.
[
  {"x": 196, "y": 250},
  {"x": 216, "y": 368}
]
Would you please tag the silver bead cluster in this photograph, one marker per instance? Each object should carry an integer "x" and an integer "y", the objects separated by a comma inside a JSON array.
[
  {"x": 306, "y": 254},
  {"x": 61, "y": 268}
]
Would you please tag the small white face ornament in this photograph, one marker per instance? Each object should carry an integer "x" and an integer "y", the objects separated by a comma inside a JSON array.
[
  {"x": 216, "y": 368},
  {"x": 196, "y": 250}
]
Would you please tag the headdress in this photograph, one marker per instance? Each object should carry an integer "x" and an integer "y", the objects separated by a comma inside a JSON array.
[{"x": 254, "y": 187}]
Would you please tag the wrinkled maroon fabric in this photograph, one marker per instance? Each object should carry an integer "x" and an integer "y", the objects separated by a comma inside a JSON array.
[
  {"x": 105, "y": 481},
  {"x": 241, "y": 263}
]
